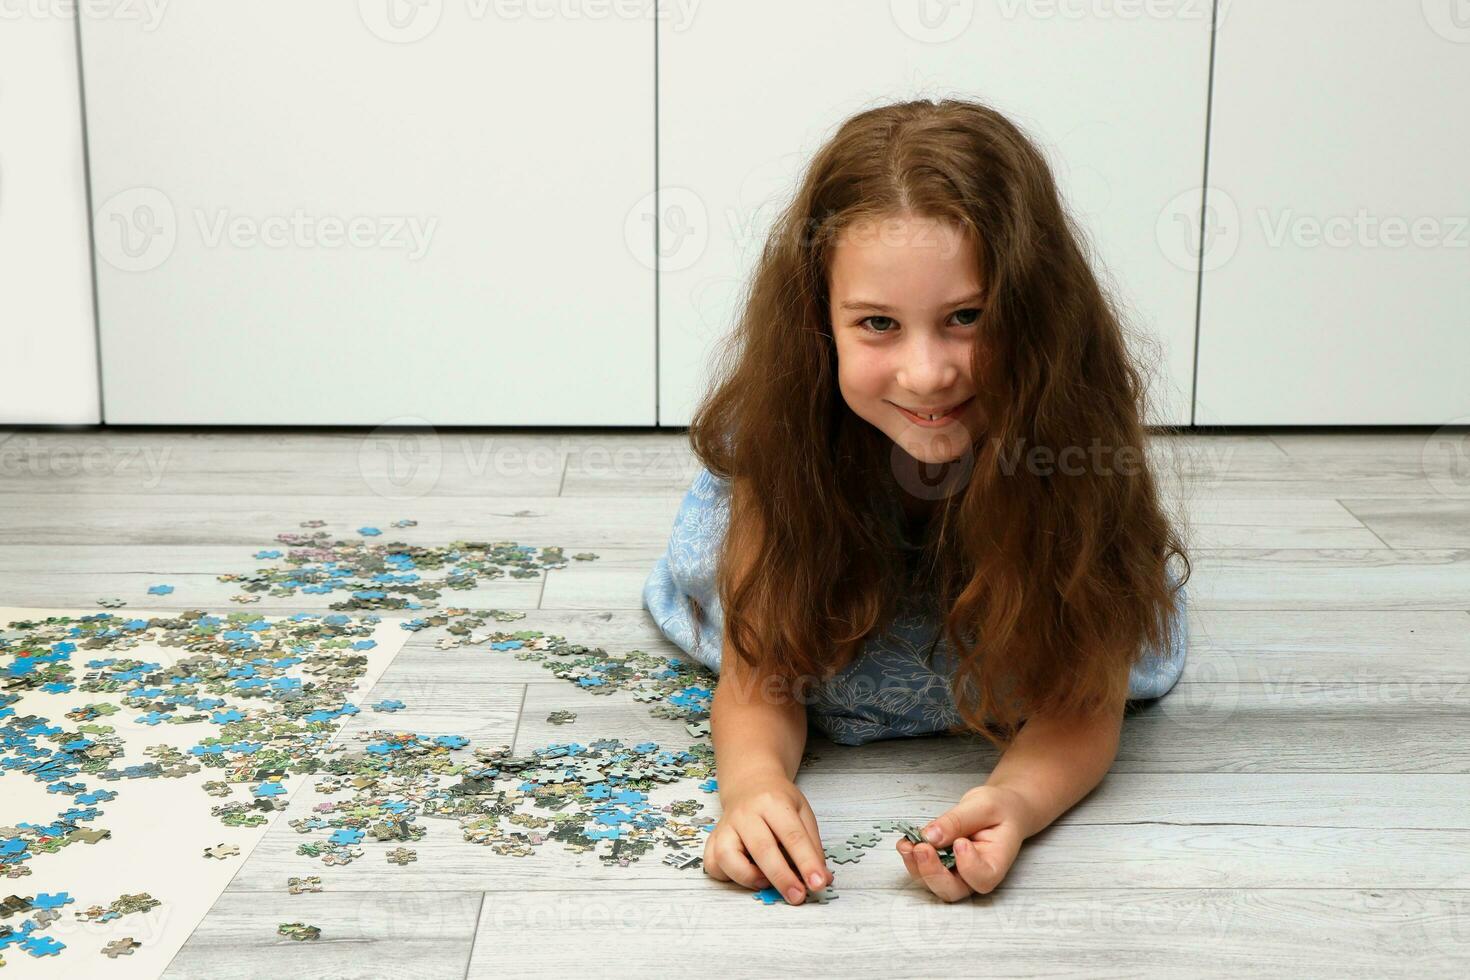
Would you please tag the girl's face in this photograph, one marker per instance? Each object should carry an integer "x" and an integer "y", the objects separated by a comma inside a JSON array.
[{"x": 905, "y": 299}]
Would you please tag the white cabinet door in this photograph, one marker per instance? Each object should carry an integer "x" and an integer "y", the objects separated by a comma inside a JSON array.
[
  {"x": 1115, "y": 93},
  {"x": 375, "y": 211},
  {"x": 47, "y": 332},
  {"x": 1337, "y": 262}
]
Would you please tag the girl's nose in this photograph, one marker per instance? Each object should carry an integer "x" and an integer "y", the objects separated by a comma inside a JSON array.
[{"x": 929, "y": 365}]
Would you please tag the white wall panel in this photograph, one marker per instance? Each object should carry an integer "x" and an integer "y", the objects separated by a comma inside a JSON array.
[
  {"x": 351, "y": 213},
  {"x": 1337, "y": 282},
  {"x": 47, "y": 331}
]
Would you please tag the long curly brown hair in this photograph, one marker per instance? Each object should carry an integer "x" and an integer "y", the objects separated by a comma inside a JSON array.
[{"x": 1055, "y": 579}]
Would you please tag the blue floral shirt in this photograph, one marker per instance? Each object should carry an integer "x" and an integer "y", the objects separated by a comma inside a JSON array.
[{"x": 900, "y": 685}]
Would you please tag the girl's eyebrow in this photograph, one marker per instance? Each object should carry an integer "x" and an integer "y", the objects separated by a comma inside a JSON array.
[{"x": 862, "y": 304}]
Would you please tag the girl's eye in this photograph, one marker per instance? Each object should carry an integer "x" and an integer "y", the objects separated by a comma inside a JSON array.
[{"x": 969, "y": 318}]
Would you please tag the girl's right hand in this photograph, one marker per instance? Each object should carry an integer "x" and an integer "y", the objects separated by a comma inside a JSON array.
[{"x": 761, "y": 816}]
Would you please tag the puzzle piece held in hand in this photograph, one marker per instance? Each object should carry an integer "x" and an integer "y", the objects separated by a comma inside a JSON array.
[
  {"x": 913, "y": 833},
  {"x": 771, "y": 896}
]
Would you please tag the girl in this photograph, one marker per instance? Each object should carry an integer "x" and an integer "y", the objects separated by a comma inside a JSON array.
[{"x": 924, "y": 503}]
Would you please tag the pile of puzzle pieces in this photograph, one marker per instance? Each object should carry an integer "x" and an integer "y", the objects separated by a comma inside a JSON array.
[
  {"x": 389, "y": 575},
  {"x": 585, "y": 798},
  {"x": 273, "y": 695}
]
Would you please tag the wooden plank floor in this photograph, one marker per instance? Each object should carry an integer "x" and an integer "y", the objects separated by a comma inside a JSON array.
[{"x": 1296, "y": 806}]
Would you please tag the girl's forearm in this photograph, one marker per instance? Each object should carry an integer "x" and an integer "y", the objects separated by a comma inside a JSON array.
[
  {"x": 1054, "y": 762},
  {"x": 754, "y": 732}
]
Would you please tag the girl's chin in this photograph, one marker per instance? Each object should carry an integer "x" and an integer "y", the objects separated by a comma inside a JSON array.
[{"x": 935, "y": 450}]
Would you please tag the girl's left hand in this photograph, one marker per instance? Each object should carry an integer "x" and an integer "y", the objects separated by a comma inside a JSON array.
[{"x": 985, "y": 828}]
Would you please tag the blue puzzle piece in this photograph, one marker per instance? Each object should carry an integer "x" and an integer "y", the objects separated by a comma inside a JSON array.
[
  {"x": 45, "y": 901},
  {"x": 42, "y": 946}
]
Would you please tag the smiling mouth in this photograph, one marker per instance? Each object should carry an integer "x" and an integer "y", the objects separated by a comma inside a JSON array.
[{"x": 934, "y": 415}]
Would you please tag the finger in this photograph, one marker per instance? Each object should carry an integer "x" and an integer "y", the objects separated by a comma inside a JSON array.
[
  {"x": 760, "y": 841},
  {"x": 810, "y": 819},
  {"x": 803, "y": 848},
  {"x": 975, "y": 867},
  {"x": 968, "y": 816},
  {"x": 906, "y": 851},
  {"x": 739, "y": 868},
  {"x": 939, "y": 879},
  {"x": 711, "y": 862}
]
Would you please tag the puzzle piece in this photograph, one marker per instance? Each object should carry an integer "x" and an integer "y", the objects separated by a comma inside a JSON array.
[
  {"x": 42, "y": 946},
  {"x": 561, "y": 717},
  {"x": 299, "y": 931},
  {"x": 913, "y": 833},
  {"x": 772, "y": 896},
  {"x": 843, "y": 854},
  {"x": 401, "y": 856},
  {"x": 221, "y": 851},
  {"x": 120, "y": 947},
  {"x": 310, "y": 883},
  {"x": 12, "y": 904}
]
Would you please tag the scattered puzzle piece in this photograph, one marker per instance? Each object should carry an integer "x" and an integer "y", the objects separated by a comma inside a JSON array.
[
  {"x": 311, "y": 883},
  {"x": 562, "y": 717},
  {"x": 401, "y": 856},
  {"x": 120, "y": 947},
  {"x": 41, "y": 946},
  {"x": 221, "y": 851},
  {"x": 299, "y": 931}
]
